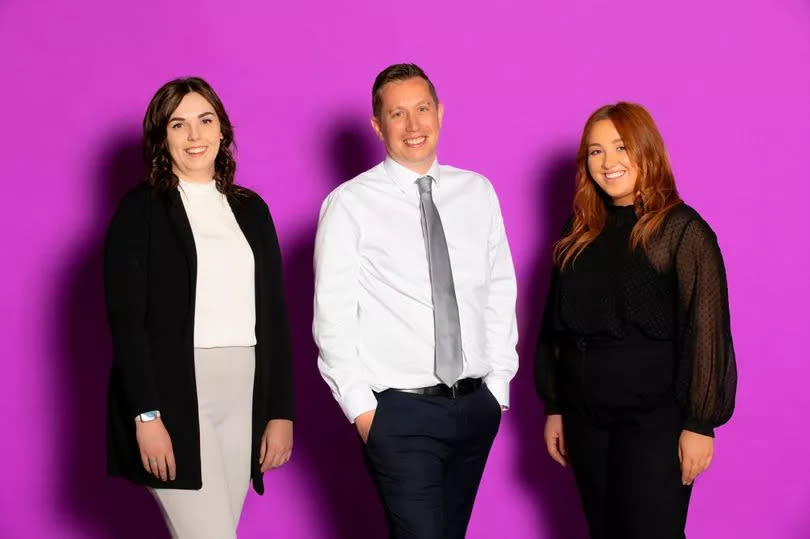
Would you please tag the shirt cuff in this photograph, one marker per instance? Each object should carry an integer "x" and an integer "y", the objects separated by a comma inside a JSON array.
[
  {"x": 499, "y": 387},
  {"x": 701, "y": 427},
  {"x": 552, "y": 408},
  {"x": 358, "y": 401}
]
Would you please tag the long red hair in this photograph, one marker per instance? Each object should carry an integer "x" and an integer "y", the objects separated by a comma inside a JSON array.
[{"x": 655, "y": 192}]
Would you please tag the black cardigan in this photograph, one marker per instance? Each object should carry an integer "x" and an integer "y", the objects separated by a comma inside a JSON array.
[{"x": 150, "y": 275}]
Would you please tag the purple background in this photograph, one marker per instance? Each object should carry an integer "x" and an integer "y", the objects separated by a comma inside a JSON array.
[{"x": 727, "y": 82}]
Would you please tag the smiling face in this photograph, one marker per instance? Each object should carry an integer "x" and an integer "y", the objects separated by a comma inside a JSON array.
[
  {"x": 610, "y": 165},
  {"x": 409, "y": 123},
  {"x": 193, "y": 136}
]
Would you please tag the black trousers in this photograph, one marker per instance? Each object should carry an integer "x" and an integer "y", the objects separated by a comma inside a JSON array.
[
  {"x": 621, "y": 425},
  {"x": 427, "y": 455}
]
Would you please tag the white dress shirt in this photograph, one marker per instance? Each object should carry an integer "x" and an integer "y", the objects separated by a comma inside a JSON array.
[
  {"x": 225, "y": 305},
  {"x": 373, "y": 310}
]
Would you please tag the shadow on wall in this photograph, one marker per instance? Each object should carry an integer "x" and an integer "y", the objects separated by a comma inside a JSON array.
[
  {"x": 558, "y": 507},
  {"x": 99, "y": 506},
  {"x": 326, "y": 444}
]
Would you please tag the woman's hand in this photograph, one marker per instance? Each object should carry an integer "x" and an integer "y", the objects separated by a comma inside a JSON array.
[
  {"x": 695, "y": 452},
  {"x": 555, "y": 441},
  {"x": 276, "y": 446},
  {"x": 155, "y": 446}
]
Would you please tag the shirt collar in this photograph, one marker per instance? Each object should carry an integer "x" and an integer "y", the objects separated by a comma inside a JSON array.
[{"x": 405, "y": 178}]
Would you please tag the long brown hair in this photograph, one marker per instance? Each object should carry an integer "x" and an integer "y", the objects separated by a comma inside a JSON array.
[
  {"x": 159, "y": 173},
  {"x": 655, "y": 192}
]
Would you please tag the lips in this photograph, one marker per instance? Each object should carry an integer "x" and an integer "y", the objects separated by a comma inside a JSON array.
[
  {"x": 415, "y": 141},
  {"x": 196, "y": 150}
]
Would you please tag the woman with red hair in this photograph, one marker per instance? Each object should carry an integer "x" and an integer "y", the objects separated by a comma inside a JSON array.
[{"x": 635, "y": 360}]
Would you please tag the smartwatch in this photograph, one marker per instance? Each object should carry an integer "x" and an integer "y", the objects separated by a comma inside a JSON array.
[{"x": 147, "y": 416}]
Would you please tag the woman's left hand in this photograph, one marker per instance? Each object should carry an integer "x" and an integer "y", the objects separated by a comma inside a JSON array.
[
  {"x": 275, "y": 448},
  {"x": 695, "y": 452}
]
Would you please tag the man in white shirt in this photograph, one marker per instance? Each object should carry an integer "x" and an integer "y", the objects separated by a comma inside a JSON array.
[{"x": 415, "y": 313}]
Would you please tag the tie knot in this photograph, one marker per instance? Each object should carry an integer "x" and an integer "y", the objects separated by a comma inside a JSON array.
[{"x": 425, "y": 184}]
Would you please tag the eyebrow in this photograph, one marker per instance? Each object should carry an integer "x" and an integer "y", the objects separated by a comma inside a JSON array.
[
  {"x": 180, "y": 118},
  {"x": 419, "y": 104},
  {"x": 597, "y": 144}
]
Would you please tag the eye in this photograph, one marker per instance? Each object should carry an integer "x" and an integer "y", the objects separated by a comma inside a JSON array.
[
  {"x": 594, "y": 153},
  {"x": 423, "y": 108},
  {"x": 620, "y": 148},
  {"x": 207, "y": 121},
  {"x": 396, "y": 114},
  {"x": 176, "y": 125}
]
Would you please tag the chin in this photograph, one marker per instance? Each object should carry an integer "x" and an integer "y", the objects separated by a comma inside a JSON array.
[
  {"x": 619, "y": 196},
  {"x": 415, "y": 153},
  {"x": 616, "y": 192},
  {"x": 198, "y": 167}
]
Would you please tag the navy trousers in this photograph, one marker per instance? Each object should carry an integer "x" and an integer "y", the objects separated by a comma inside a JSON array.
[{"x": 427, "y": 455}]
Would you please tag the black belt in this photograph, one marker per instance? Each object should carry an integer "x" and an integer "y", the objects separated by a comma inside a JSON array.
[{"x": 463, "y": 387}]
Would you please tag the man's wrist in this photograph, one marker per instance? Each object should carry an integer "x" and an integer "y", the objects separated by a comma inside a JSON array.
[{"x": 358, "y": 401}]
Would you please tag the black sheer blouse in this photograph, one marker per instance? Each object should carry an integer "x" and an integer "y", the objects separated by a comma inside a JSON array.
[{"x": 676, "y": 292}]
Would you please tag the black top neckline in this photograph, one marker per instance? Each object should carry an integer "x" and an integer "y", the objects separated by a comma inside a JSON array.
[
  {"x": 621, "y": 215},
  {"x": 630, "y": 208}
]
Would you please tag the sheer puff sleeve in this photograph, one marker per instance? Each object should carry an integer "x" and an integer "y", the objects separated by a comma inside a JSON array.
[{"x": 707, "y": 371}]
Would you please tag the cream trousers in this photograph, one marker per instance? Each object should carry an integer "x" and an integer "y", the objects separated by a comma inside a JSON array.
[{"x": 225, "y": 400}]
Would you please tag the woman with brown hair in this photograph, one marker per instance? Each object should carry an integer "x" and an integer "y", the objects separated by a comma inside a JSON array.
[
  {"x": 635, "y": 360},
  {"x": 200, "y": 396}
]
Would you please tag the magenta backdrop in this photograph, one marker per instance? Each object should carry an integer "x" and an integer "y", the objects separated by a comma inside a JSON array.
[{"x": 728, "y": 83}]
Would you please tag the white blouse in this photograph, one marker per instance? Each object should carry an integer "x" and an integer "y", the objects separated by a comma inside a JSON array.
[{"x": 225, "y": 313}]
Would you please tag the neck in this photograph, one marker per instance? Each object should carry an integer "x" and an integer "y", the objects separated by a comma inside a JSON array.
[
  {"x": 624, "y": 201},
  {"x": 195, "y": 177},
  {"x": 419, "y": 168}
]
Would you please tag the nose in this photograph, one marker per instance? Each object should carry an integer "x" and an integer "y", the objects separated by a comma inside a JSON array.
[
  {"x": 193, "y": 132},
  {"x": 608, "y": 160},
  {"x": 410, "y": 123}
]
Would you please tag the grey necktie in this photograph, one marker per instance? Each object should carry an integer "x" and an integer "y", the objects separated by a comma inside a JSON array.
[{"x": 447, "y": 329}]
